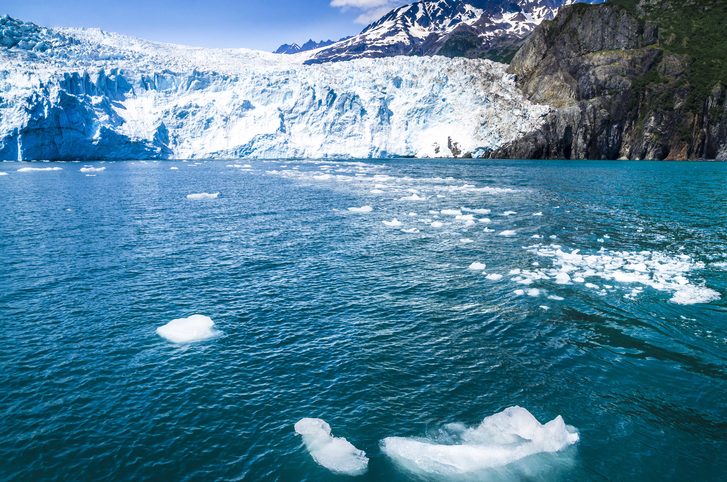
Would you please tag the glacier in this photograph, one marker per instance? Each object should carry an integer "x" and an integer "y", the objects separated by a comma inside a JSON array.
[{"x": 81, "y": 94}]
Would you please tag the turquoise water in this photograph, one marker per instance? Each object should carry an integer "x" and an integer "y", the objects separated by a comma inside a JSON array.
[{"x": 381, "y": 330}]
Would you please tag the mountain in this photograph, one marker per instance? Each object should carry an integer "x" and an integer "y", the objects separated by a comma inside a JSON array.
[
  {"x": 311, "y": 44},
  {"x": 71, "y": 94},
  {"x": 629, "y": 79},
  {"x": 491, "y": 29}
]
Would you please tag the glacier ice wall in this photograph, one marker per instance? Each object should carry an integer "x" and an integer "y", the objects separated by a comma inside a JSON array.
[{"x": 87, "y": 94}]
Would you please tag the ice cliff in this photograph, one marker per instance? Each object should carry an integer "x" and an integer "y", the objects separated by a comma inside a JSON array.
[{"x": 88, "y": 94}]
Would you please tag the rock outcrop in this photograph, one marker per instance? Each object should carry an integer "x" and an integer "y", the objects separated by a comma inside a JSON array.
[{"x": 624, "y": 81}]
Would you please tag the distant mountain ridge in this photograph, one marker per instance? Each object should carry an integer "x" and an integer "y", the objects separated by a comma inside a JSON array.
[
  {"x": 309, "y": 45},
  {"x": 492, "y": 29}
]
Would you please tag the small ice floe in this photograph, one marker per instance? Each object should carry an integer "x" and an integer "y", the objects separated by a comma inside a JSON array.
[
  {"x": 555, "y": 298},
  {"x": 394, "y": 223},
  {"x": 477, "y": 266},
  {"x": 90, "y": 169},
  {"x": 466, "y": 241},
  {"x": 322, "y": 177},
  {"x": 437, "y": 224},
  {"x": 202, "y": 196},
  {"x": 545, "y": 308},
  {"x": 410, "y": 230},
  {"x": 519, "y": 292},
  {"x": 537, "y": 214},
  {"x": 39, "y": 169},
  {"x": 174, "y": 168},
  {"x": 188, "y": 330},
  {"x": 494, "y": 277},
  {"x": 509, "y": 213},
  {"x": 533, "y": 292},
  {"x": 361, "y": 210},
  {"x": 334, "y": 453},
  {"x": 488, "y": 230},
  {"x": 485, "y": 220},
  {"x": 499, "y": 440},
  {"x": 536, "y": 236},
  {"x": 508, "y": 233},
  {"x": 412, "y": 214},
  {"x": 3, "y": 173},
  {"x": 376, "y": 191}
]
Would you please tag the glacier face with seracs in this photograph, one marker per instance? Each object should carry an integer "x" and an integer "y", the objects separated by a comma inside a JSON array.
[{"x": 88, "y": 94}]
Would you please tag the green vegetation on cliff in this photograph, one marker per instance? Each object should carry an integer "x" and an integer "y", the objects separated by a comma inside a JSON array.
[{"x": 693, "y": 28}]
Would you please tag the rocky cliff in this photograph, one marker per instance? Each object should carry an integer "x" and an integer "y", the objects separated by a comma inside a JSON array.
[{"x": 628, "y": 79}]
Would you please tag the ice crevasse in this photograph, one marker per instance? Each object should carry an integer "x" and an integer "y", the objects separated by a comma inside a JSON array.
[{"x": 89, "y": 94}]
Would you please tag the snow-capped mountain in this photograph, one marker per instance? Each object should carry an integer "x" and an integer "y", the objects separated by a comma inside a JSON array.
[
  {"x": 455, "y": 28},
  {"x": 85, "y": 94}
]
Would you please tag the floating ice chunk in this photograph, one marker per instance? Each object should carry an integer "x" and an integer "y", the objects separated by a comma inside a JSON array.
[
  {"x": 689, "y": 295},
  {"x": 3, "y": 173},
  {"x": 203, "y": 195},
  {"x": 507, "y": 233},
  {"x": 519, "y": 292},
  {"x": 537, "y": 214},
  {"x": 92, "y": 169},
  {"x": 394, "y": 223},
  {"x": 544, "y": 307},
  {"x": 39, "y": 169},
  {"x": 562, "y": 278},
  {"x": 509, "y": 213},
  {"x": 485, "y": 220},
  {"x": 188, "y": 330},
  {"x": 494, "y": 277},
  {"x": 466, "y": 241},
  {"x": 322, "y": 177},
  {"x": 413, "y": 214},
  {"x": 451, "y": 212},
  {"x": 555, "y": 298},
  {"x": 592, "y": 286},
  {"x": 534, "y": 292},
  {"x": 410, "y": 230},
  {"x": 174, "y": 168},
  {"x": 334, "y": 453},
  {"x": 488, "y": 230},
  {"x": 476, "y": 266},
  {"x": 376, "y": 191},
  {"x": 499, "y": 440},
  {"x": 536, "y": 236},
  {"x": 361, "y": 210},
  {"x": 477, "y": 211},
  {"x": 437, "y": 224}
]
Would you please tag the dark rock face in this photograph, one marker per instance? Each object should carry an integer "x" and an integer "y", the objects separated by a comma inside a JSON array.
[
  {"x": 492, "y": 29},
  {"x": 617, "y": 91}
]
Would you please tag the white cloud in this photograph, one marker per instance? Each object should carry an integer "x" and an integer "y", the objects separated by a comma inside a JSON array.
[{"x": 370, "y": 10}]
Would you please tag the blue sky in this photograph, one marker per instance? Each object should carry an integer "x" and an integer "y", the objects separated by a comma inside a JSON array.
[{"x": 261, "y": 24}]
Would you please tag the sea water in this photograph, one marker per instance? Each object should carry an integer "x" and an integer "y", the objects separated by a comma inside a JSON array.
[{"x": 399, "y": 320}]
